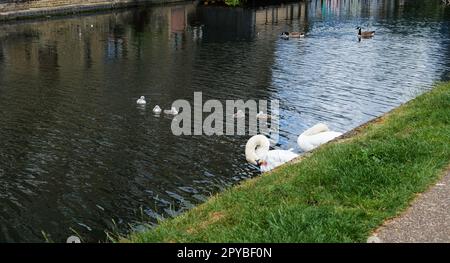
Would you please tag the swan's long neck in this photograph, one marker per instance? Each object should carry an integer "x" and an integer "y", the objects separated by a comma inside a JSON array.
[
  {"x": 256, "y": 148},
  {"x": 318, "y": 128}
]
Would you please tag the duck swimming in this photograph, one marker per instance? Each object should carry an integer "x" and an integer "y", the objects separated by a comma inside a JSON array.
[
  {"x": 316, "y": 136},
  {"x": 365, "y": 34},
  {"x": 257, "y": 152},
  {"x": 287, "y": 35},
  {"x": 141, "y": 101},
  {"x": 157, "y": 109},
  {"x": 172, "y": 111}
]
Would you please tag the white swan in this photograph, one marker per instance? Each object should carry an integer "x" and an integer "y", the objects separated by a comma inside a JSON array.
[
  {"x": 172, "y": 111},
  {"x": 263, "y": 116},
  {"x": 141, "y": 101},
  {"x": 239, "y": 114},
  {"x": 157, "y": 109},
  {"x": 316, "y": 136},
  {"x": 257, "y": 152}
]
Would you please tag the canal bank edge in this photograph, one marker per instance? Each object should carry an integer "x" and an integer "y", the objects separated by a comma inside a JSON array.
[
  {"x": 22, "y": 9},
  {"x": 340, "y": 192}
]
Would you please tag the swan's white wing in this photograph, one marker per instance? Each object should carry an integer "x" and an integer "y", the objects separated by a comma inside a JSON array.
[
  {"x": 276, "y": 158},
  {"x": 304, "y": 144},
  {"x": 321, "y": 138}
]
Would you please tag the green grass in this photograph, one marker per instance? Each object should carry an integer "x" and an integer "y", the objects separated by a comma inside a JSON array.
[{"x": 340, "y": 193}]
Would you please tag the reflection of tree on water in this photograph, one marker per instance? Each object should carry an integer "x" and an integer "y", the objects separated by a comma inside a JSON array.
[
  {"x": 48, "y": 61},
  {"x": 1, "y": 53},
  {"x": 140, "y": 19},
  {"x": 221, "y": 24},
  {"x": 2, "y": 58},
  {"x": 88, "y": 53}
]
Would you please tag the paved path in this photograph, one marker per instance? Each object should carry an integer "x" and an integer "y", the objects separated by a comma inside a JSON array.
[{"x": 427, "y": 220}]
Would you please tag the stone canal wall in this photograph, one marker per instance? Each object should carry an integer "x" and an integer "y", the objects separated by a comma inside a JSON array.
[{"x": 13, "y": 9}]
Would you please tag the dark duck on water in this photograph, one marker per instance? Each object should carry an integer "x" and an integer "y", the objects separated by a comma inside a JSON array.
[{"x": 365, "y": 34}]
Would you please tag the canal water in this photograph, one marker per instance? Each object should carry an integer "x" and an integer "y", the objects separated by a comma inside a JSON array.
[{"x": 78, "y": 156}]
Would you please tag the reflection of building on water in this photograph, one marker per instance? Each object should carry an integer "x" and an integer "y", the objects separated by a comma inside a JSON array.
[
  {"x": 375, "y": 8},
  {"x": 177, "y": 26},
  {"x": 133, "y": 33},
  {"x": 278, "y": 14},
  {"x": 197, "y": 32},
  {"x": 219, "y": 23},
  {"x": 177, "y": 19},
  {"x": 114, "y": 47},
  {"x": 240, "y": 23}
]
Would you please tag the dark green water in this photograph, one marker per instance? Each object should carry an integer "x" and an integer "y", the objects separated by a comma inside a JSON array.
[{"x": 76, "y": 153}]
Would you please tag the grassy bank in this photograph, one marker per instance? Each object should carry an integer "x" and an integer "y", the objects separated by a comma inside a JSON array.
[{"x": 339, "y": 193}]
